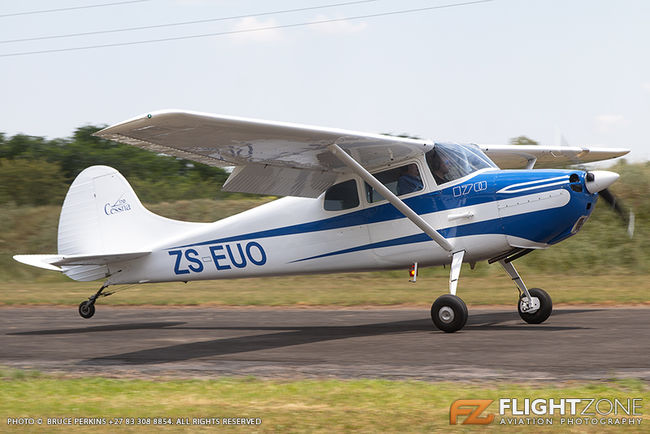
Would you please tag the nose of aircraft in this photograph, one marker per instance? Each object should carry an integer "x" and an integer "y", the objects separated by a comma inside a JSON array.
[{"x": 599, "y": 180}]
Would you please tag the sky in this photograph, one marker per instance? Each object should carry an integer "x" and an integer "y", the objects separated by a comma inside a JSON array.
[{"x": 575, "y": 71}]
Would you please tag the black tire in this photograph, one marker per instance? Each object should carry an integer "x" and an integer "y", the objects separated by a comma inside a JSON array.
[
  {"x": 86, "y": 309},
  {"x": 449, "y": 313},
  {"x": 545, "y": 307}
]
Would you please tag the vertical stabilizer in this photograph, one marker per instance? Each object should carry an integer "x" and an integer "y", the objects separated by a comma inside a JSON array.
[{"x": 102, "y": 214}]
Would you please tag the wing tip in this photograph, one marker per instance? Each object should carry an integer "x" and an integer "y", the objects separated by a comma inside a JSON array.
[{"x": 111, "y": 130}]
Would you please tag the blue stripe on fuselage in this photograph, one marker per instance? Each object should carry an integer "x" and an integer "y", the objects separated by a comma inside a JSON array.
[
  {"x": 423, "y": 204},
  {"x": 549, "y": 225},
  {"x": 426, "y": 203}
]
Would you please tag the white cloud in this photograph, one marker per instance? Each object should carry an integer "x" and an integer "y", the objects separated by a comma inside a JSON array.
[
  {"x": 608, "y": 122},
  {"x": 338, "y": 27},
  {"x": 646, "y": 86},
  {"x": 610, "y": 119},
  {"x": 251, "y": 23}
]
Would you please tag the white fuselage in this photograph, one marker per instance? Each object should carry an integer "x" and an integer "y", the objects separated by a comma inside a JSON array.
[{"x": 297, "y": 236}]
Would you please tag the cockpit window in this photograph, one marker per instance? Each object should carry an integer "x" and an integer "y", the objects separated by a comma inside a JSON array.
[
  {"x": 342, "y": 196},
  {"x": 448, "y": 162},
  {"x": 401, "y": 180}
]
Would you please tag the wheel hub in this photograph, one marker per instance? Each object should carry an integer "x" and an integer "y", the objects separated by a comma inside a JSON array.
[
  {"x": 446, "y": 314},
  {"x": 526, "y": 307}
]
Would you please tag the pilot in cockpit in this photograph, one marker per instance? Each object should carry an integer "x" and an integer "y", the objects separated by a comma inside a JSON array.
[
  {"x": 439, "y": 169},
  {"x": 409, "y": 180}
]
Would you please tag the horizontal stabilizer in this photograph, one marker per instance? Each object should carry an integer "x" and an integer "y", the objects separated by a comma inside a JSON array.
[
  {"x": 54, "y": 262},
  {"x": 40, "y": 261}
]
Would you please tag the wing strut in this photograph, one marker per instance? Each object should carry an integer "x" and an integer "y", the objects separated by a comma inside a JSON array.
[{"x": 388, "y": 195}]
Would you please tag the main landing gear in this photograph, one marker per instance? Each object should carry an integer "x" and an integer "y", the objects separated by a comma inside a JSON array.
[
  {"x": 87, "y": 308},
  {"x": 449, "y": 312}
]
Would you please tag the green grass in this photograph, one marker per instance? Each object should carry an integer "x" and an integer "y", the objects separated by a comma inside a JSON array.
[
  {"x": 363, "y": 289},
  {"x": 283, "y": 406}
]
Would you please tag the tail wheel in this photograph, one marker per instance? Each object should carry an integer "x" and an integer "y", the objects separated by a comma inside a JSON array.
[
  {"x": 87, "y": 309},
  {"x": 449, "y": 313},
  {"x": 545, "y": 307}
]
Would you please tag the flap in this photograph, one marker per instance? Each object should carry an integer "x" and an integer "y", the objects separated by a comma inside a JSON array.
[
  {"x": 279, "y": 181},
  {"x": 519, "y": 157}
]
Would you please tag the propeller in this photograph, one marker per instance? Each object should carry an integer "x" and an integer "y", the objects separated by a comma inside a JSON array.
[
  {"x": 616, "y": 205},
  {"x": 598, "y": 181}
]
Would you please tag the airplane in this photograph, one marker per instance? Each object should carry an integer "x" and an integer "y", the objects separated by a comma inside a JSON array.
[{"x": 355, "y": 202}]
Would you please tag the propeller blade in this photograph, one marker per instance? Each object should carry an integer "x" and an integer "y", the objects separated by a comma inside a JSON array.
[
  {"x": 630, "y": 225},
  {"x": 616, "y": 205}
]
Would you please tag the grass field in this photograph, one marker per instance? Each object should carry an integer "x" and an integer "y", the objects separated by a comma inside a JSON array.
[
  {"x": 282, "y": 406},
  {"x": 374, "y": 289}
]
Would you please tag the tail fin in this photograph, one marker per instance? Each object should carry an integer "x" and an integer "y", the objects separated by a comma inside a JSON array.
[{"x": 102, "y": 219}]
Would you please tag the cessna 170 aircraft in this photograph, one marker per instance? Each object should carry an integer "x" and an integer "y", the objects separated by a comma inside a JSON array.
[{"x": 357, "y": 202}]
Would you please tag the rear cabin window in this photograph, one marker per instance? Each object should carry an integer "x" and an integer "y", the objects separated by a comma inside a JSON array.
[
  {"x": 342, "y": 196},
  {"x": 401, "y": 180}
]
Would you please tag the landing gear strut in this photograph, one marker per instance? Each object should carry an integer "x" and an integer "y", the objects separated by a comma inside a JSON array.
[
  {"x": 449, "y": 312},
  {"x": 87, "y": 308},
  {"x": 535, "y": 305}
]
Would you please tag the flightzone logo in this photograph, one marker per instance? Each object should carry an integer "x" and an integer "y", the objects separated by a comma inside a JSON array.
[
  {"x": 541, "y": 411},
  {"x": 472, "y": 408}
]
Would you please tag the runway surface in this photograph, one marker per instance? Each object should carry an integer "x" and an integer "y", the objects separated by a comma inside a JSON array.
[{"x": 578, "y": 343}]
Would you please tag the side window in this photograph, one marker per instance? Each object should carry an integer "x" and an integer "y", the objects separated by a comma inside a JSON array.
[
  {"x": 342, "y": 196},
  {"x": 401, "y": 180}
]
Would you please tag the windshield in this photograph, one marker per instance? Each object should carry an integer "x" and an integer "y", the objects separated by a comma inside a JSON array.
[{"x": 449, "y": 161}]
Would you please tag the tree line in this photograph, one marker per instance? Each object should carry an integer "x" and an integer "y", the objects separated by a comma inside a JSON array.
[{"x": 38, "y": 171}]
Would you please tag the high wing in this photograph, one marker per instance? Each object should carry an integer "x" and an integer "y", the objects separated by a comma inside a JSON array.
[
  {"x": 275, "y": 158},
  {"x": 287, "y": 159},
  {"x": 520, "y": 157}
]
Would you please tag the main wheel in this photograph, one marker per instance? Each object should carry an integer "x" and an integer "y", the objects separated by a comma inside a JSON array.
[
  {"x": 87, "y": 309},
  {"x": 545, "y": 307},
  {"x": 449, "y": 313}
]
